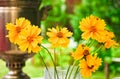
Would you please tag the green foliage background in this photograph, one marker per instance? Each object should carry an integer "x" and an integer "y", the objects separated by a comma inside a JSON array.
[{"x": 105, "y": 9}]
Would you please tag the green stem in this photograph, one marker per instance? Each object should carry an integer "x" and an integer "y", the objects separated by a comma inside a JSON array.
[
  {"x": 76, "y": 72},
  {"x": 60, "y": 58},
  {"x": 91, "y": 43},
  {"x": 45, "y": 66},
  {"x": 98, "y": 48},
  {"x": 88, "y": 43},
  {"x": 52, "y": 60},
  {"x": 67, "y": 72},
  {"x": 55, "y": 64},
  {"x": 72, "y": 69}
]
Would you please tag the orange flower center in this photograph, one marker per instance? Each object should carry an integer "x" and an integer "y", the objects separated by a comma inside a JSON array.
[
  {"x": 83, "y": 45},
  {"x": 97, "y": 18},
  {"x": 93, "y": 29},
  {"x": 30, "y": 39},
  {"x": 90, "y": 67},
  {"x": 86, "y": 52},
  {"x": 18, "y": 29},
  {"x": 60, "y": 34}
]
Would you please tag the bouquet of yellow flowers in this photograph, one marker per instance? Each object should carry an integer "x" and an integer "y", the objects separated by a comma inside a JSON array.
[
  {"x": 94, "y": 30},
  {"x": 28, "y": 38}
]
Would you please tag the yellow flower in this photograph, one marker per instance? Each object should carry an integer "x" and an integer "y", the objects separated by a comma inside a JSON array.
[
  {"x": 94, "y": 60},
  {"x": 107, "y": 39},
  {"x": 89, "y": 66},
  {"x": 92, "y": 27},
  {"x": 29, "y": 39},
  {"x": 15, "y": 30},
  {"x": 107, "y": 35},
  {"x": 81, "y": 51},
  {"x": 59, "y": 37},
  {"x": 109, "y": 43},
  {"x": 85, "y": 69}
]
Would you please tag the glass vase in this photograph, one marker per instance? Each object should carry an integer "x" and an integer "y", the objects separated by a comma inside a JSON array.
[{"x": 62, "y": 73}]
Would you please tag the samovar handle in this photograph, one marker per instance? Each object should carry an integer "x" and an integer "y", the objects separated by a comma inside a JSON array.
[{"x": 44, "y": 12}]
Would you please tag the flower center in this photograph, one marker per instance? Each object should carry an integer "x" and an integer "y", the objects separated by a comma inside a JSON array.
[
  {"x": 83, "y": 45},
  {"x": 60, "y": 34},
  {"x": 18, "y": 29},
  {"x": 29, "y": 39},
  {"x": 93, "y": 29},
  {"x": 97, "y": 18},
  {"x": 90, "y": 67},
  {"x": 86, "y": 52}
]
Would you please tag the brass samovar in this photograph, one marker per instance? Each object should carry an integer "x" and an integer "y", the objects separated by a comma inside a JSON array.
[{"x": 9, "y": 11}]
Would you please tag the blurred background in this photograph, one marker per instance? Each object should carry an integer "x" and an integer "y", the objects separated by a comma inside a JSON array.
[{"x": 69, "y": 13}]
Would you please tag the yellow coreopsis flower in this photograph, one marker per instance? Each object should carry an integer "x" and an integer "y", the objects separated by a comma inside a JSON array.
[
  {"x": 108, "y": 39},
  {"x": 81, "y": 51},
  {"x": 94, "y": 60},
  {"x": 29, "y": 39},
  {"x": 59, "y": 37},
  {"x": 92, "y": 27},
  {"x": 85, "y": 69},
  {"x": 107, "y": 35},
  {"x": 89, "y": 66},
  {"x": 109, "y": 43},
  {"x": 14, "y": 30}
]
